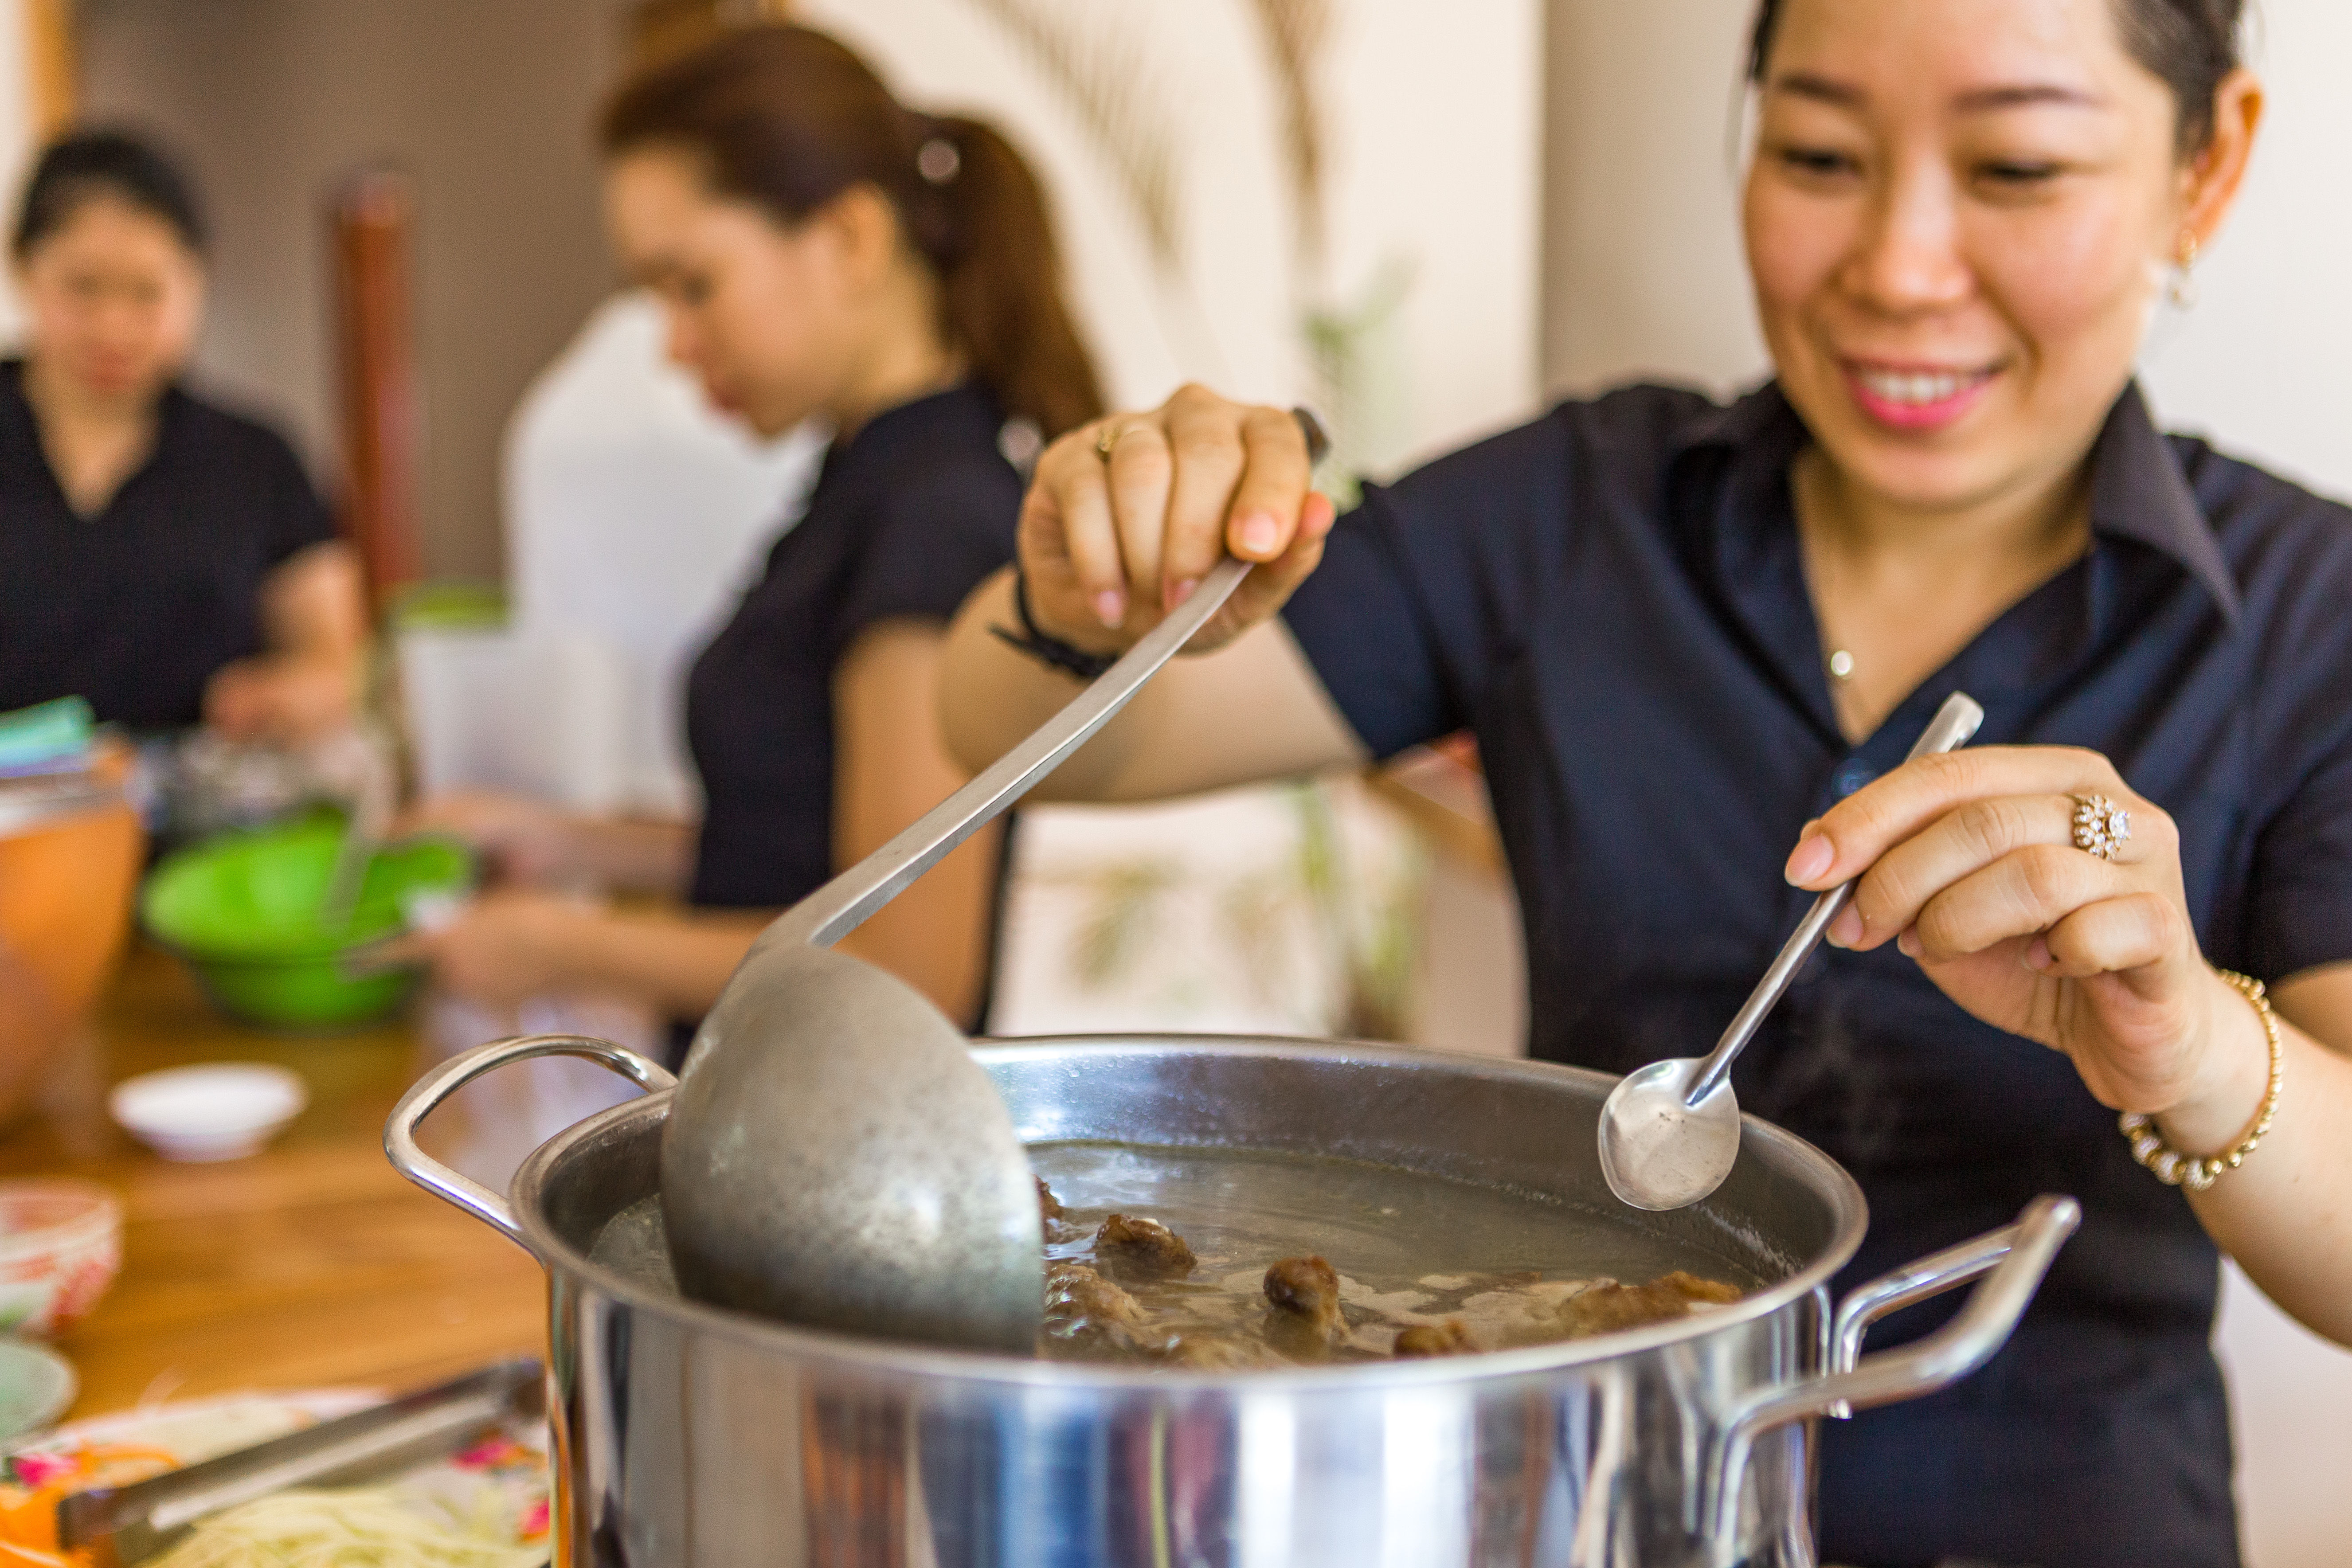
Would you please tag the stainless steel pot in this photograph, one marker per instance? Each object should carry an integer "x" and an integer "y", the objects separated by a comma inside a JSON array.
[{"x": 684, "y": 1435}]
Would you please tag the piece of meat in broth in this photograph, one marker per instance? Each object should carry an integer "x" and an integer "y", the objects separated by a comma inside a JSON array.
[
  {"x": 1305, "y": 1294},
  {"x": 1609, "y": 1307},
  {"x": 1447, "y": 1336},
  {"x": 1216, "y": 1352},
  {"x": 1087, "y": 1312},
  {"x": 1698, "y": 1291},
  {"x": 1139, "y": 1250},
  {"x": 1049, "y": 1207}
]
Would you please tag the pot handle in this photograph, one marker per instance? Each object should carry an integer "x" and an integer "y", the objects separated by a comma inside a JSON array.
[
  {"x": 2016, "y": 1257},
  {"x": 429, "y": 1092}
]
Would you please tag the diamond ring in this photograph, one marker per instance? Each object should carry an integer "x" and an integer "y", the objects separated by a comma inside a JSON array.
[{"x": 2101, "y": 827}]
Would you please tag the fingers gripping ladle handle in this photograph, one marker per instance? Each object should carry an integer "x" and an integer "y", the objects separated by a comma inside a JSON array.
[
  {"x": 1954, "y": 725},
  {"x": 839, "y": 906}
]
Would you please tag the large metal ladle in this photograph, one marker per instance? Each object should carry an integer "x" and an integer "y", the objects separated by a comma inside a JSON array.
[
  {"x": 833, "y": 1155},
  {"x": 1670, "y": 1132}
]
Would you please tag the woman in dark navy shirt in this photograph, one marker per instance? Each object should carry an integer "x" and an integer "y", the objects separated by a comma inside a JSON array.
[
  {"x": 822, "y": 251},
  {"x": 1689, "y": 638},
  {"x": 161, "y": 557}
]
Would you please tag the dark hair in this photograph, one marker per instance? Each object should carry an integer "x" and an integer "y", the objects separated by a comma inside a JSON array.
[
  {"x": 2190, "y": 44},
  {"x": 86, "y": 165},
  {"x": 789, "y": 119}
]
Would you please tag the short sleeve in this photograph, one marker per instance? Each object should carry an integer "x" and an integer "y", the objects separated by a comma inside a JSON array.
[
  {"x": 2301, "y": 905},
  {"x": 1360, "y": 622},
  {"x": 925, "y": 546},
  {"x": 295, "y": 518},
  {"x": 1428, "y": 589}
]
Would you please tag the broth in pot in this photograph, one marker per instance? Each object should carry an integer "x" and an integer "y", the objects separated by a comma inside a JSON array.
[{"x": 1231, "y": 1259}]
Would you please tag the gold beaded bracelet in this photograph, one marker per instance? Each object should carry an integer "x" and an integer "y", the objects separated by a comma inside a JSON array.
[{"x": 2176, "y": 1169}]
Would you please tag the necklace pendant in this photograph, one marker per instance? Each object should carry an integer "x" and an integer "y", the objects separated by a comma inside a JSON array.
[{"x": 1841, "y": 666}]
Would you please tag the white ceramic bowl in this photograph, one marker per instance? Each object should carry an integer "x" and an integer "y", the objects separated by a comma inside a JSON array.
[
  {"x": 222, "y": 1111},
  {"x": 61, "y": 1248}
]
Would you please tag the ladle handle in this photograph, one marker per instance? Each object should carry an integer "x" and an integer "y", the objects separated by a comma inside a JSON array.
[
  {"x": 429, "y": 1092},
  {"x": 1954, "y": 723},
  {"x": 838, "y": 908}
]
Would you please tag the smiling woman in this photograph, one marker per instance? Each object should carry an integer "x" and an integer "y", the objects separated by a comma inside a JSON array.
[
  {"x": 1689, "y": 636},
  {"x": 1954, "y": 277}
]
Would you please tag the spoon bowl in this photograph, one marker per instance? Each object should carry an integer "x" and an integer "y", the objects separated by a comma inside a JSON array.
[{"x": 1659, "y": 1149}]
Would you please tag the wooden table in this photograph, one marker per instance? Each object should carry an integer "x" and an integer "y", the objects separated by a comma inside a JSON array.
[{"x": 312, "y": 1263}]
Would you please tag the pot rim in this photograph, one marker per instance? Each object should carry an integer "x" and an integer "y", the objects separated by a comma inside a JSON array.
[{"x": 1849, "y": 1220}]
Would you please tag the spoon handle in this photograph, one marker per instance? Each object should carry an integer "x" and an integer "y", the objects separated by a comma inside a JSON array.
[{"x": 1954, "y": 723}]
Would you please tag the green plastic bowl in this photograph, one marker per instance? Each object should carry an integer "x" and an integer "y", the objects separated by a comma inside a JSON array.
[{"x": 243, "y": 909}]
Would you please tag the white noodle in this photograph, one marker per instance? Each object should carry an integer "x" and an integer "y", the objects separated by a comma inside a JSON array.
[{"x": 360, "y": 1528}]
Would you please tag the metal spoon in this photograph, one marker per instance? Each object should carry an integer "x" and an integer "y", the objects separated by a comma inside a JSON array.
[
  {"x": 372, "y": 808},
  {"x": 1670, "y": 1132}
]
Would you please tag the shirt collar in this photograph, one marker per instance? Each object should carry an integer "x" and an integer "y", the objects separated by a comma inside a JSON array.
[{"x": 2139, "y": 492}]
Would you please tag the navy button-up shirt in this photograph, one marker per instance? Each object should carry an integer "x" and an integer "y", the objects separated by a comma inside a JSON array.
[
  {"x": 138, "y": 607},
  {"x": 1612, "y": 599}
]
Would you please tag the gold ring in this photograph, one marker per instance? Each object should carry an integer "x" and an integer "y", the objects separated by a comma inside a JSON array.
[
  {"x": 2101, "y": 827},
  {"x": 1108, "y": 438}
]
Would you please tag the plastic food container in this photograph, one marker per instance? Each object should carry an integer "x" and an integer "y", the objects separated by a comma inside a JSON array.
[
  {"x": 61, "y": 1248},
  {"x": 243, "y": 909}
]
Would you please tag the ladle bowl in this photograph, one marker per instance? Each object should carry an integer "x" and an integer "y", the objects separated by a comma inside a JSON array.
[{"x": 835, "y": 1156}]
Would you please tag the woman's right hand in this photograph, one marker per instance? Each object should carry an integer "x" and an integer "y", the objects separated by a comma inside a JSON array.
[
  {"x": 526, "y": 841},
  {"x": 1110, "y": 545}
]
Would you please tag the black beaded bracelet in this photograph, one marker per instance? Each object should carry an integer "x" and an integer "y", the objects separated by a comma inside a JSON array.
[{"x": 1068, "y": 657}]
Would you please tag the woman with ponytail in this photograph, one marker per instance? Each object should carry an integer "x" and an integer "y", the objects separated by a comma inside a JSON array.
[{"x": 823, "y": 252}]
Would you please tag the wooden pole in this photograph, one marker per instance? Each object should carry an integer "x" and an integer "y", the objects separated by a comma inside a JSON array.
[
  {"x": 49, "y": 65},
  {"x": 374, "y": 221}
]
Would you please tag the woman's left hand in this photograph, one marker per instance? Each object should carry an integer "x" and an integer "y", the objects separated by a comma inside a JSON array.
[
  {"x": 504, "y": 947},
  {"x": 1967, "y": 862}
]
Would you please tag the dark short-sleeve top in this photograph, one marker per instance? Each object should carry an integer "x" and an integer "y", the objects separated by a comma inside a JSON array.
[
  {"x": 135, "y": 608},
  {"x": 907, "y": 518},
  {"x": 1612, "y": 599}
]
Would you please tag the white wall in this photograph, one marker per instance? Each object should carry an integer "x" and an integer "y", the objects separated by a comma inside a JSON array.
[
  {"x": 1433, "y": 131},
  {"x": 1642, "y": 274},
  {"x": 2259, "y": 362},
  {"x": 1643, "y": 277}
]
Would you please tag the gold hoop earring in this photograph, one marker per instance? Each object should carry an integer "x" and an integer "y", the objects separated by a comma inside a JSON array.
[{"x": 2182, "y": 290}]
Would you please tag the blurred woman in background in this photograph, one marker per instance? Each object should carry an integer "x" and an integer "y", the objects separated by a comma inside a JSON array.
[
  {"x": 823, "y": 252},
  {"x": 159, "y": 556}
]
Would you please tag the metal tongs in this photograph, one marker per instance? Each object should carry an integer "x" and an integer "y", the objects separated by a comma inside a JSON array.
[{"x": 114, "y": 1527}]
